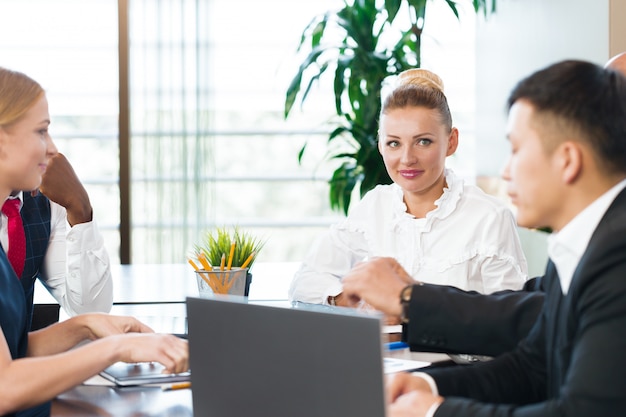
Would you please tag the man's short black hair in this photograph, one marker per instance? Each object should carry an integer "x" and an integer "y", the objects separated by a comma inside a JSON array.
[{"x": 588, "y": 98}]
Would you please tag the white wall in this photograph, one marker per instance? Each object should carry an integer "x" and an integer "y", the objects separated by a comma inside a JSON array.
[{"x": 524, "y": 36}]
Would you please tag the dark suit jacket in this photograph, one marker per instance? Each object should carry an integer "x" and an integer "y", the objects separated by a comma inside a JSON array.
[
  {"x": 570, "y": 363},
  {"x": 447, "y": 319}
]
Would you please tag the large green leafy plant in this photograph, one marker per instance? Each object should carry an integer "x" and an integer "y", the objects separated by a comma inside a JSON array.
[{"x": 363, "y": 43}]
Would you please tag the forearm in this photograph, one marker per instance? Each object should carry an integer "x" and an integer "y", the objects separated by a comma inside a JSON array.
[
  {"x": 330, "y": 258},
  {"x": 446, "y": 319},
  {"x": 81, "y": 212},
  {"x": 62, "y": 186},
  {"x": 59, "y": 337},
  {"x": 30, "y": 381},
  {"x": 512, "y": 378}
]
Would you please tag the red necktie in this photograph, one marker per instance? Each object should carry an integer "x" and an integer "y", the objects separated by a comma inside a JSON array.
[{"x": 17, "y": 239}]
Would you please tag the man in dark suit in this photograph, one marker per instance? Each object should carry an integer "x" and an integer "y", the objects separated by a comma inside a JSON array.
[{"x": 567, "y": 128}]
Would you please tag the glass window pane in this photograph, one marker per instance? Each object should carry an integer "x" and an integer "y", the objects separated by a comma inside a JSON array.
[
  {"x": 209, "y": 145},
  {"x": 70, "y": 48}
]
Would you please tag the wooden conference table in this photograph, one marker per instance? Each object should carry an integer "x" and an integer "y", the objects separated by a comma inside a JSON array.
[{"x": 156, "y": 295}]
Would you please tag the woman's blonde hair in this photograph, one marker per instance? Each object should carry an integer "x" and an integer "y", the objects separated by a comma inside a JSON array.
[
  {"x": 18, "y": 93},
  {"x": 419, "y": 88}
]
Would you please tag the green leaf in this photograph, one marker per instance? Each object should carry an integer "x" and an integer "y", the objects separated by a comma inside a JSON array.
[
  {"x": 417, "y": 4},
  {"x": 318, "y": 33},
  {"x": 292, "y": 93},
  {"x": 392, "y": 7},
  {"x": 301, "y": 153},
  {"x": 483, "y": 5},
  {"x": 341, "y": 184},
  {"x": 343, "y": 68},
  {"x": 452, "y": 5},
  {"x": 296, "y": 82}
]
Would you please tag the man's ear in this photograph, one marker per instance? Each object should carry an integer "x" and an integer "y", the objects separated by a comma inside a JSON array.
[{"x": 570, "y": 159}]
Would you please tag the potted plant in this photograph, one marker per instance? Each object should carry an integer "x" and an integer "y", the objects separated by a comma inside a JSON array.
[
  {"x": 221, "y": 255},
  {"x": 353, "y": 42}
]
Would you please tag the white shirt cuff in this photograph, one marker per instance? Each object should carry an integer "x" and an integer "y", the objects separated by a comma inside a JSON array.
[
  {"x": 429, "y": 379},
  {"x": 333, "y": 291},
  {"x": 432, "y": 410},
  {"x": 433, "y": 388}
]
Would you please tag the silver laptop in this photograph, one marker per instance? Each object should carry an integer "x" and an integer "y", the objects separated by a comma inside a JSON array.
[{"x": 265, "y": 361}]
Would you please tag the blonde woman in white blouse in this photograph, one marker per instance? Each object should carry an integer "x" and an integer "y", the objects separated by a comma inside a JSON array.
[{"x": 441, "y": 230}]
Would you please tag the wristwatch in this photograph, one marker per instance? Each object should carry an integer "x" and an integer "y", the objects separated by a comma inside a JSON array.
[{"x": 405, "y": 301}]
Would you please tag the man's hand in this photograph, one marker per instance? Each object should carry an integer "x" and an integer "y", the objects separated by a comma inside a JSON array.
[
  {"x": 413, "y": 404},
  {"x": 61, "y": 185},
  {"x": 378, "y": 282},
  {"x": 409, "y": 395}
]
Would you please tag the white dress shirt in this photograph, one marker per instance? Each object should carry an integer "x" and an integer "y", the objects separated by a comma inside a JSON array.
[
  {"x": 76, "y": 268},
  {"x": 566, "y": 247},
  {"x": 469, "y": 241}
]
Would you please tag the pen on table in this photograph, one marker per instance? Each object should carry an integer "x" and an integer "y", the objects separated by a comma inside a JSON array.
[
  {"x": 173, "y": 387},
  {"x": 396, "y": 345}
]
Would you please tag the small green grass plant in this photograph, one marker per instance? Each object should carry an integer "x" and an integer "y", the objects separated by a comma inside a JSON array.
[{"x": 218, "y": 244}]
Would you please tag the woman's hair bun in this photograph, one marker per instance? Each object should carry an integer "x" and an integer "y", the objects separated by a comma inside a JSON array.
[{"x": 419, "y": 76}]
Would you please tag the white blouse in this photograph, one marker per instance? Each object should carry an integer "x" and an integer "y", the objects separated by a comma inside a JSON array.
[{"x": 469, "y": 241}]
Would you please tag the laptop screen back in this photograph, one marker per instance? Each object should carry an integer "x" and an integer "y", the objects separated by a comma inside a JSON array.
[{"x": 255, "y": 360}]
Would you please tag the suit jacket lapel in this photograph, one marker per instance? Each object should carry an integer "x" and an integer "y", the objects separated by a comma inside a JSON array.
[{"x": 597, "y": 244}]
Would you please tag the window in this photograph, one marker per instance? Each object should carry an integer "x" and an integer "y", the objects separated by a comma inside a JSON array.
[
  {"x": 70, "y": 48},
  {"x": 208, "y": 144}
]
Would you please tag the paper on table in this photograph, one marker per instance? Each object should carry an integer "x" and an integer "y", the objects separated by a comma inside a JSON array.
[
  {"x": 388, "y": 329},
  {"x": 393, "y": 365}
]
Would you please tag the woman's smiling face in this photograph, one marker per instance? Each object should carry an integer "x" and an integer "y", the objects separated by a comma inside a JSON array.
[
  {"x": 26, "y": 148},
  {"x": 414, "y": 144}
]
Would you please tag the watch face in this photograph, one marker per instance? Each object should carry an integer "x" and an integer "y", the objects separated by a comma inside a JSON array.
[{"x": 405, "y": 295}]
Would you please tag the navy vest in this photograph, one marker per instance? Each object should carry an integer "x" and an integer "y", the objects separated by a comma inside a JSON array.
[{"x": 36, "y": 218}]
